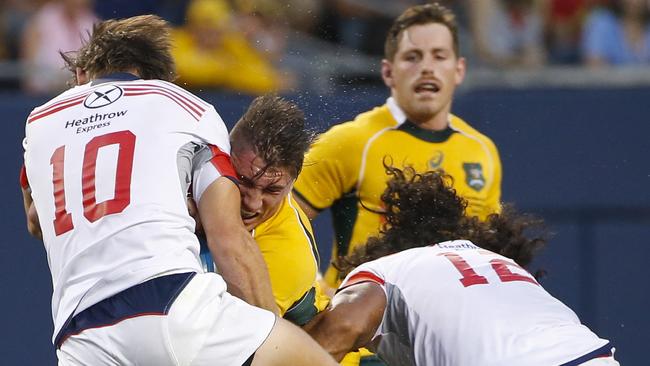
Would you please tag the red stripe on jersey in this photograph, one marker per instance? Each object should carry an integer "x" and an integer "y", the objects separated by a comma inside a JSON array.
[
  {"x": 57, "y": 109},
  {"x": 63, "y": 101},
  {"x": 170, "y": 94},
  {"x": 181, "y": 93},
  {"x": 222, "y": 163},
  {"x": 159, "y": 92},
  {"x": 360, "y": 277},
  {"x": 24, "y": 183},
  {"x": 175, "y": 92}
]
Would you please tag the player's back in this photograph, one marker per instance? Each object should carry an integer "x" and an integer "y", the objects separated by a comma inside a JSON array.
[
  {"x": 103, "y": 165},
  {"x": 456, "y": 304}
]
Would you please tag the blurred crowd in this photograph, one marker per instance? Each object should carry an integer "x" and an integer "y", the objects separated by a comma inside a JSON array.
[{"x": 257, "y": 46}]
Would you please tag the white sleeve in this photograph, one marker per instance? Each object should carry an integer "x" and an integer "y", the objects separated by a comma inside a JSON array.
[
  {"x": 363, "y": 273},
  {"x": 209, "y": 164},
  {"x": 213, "y": 160}
]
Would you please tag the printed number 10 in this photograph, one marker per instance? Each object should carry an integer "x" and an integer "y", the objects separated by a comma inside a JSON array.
[
  {"x": 500, "y": 266},
  {"x": 93, "y": 211}
]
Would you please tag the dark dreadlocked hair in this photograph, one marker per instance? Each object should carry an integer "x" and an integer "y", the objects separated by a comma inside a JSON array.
[
  {"x": 422, "y": 209},
  {"x": 275, "y": 129}
]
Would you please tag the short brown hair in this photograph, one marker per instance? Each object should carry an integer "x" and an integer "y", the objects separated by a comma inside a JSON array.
[
  {"x": 116, "y": 45},
  {"x": 275, "y": 129},
  {"x": 419, "y": 15}
]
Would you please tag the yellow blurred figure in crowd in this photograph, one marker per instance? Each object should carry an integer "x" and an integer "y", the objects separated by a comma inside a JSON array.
[{"x": 211, "y": 52}]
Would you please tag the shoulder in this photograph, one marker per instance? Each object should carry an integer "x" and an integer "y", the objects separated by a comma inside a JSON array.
[
  {"x": 364, "y": 124},
  {"x": 168, "y": 88},
  {"x": 461, "y": 126},
  {"x": 361, "y": 128},
  {"x": 69, "y": 98},
  {"x": 288, "y": 222},
  {"x": 172, "y": 93}
]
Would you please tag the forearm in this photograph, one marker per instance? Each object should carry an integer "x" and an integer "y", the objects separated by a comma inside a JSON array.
[
  {"x": 351, "y": 319},
  {"x": 337, "y": 337},
  {"x": 243, "y": 268},
  {"x": 306, "y": 207},
  {"x": 33, "y": 225},
  {"x": 235, "y": 253}
]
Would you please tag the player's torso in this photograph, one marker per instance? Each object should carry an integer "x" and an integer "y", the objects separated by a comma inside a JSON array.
[
  {"x": 475, "y": 307},
  {"x": 102, "y": 165},
  {"x": 287, "y": 244},
  {"x": 465, "y": 159},
  {"x": 110, "y": 153}
]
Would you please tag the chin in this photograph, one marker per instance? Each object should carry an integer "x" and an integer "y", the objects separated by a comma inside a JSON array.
[{"x": 250, "y": 224}]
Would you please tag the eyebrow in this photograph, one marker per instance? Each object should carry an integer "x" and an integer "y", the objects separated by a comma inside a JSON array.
[{"x": 246, "y": 180}]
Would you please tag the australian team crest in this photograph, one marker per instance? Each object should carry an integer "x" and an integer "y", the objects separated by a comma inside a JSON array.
[
  {"x": 474, "y": 175},
  {"x": 436, "y": 160}
]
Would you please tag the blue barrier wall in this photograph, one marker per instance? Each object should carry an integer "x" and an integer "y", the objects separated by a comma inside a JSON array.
[{"x": 578, "y": 158}]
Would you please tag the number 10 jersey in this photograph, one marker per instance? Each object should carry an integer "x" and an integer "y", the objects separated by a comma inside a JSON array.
[{"x": 109, "y": 164}]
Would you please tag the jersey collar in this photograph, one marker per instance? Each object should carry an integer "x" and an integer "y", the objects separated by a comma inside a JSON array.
[
  {"x": 411, "y": 128},
  {"x": 118, "y": 76},
  {"x": 398, "y": 114}
]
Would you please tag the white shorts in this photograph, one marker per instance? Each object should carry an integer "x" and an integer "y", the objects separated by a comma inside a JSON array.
[{"x": 204, "y": 326}]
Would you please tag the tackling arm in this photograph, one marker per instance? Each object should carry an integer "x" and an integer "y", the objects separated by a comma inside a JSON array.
[
  {"x": 351, "y": 319},
  {"x": 308, "y": 209},
  {"x": 33, "y": 225},
  {"x": 233, "y": 249}
]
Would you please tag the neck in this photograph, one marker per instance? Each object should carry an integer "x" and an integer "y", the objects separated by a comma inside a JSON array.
[{"x": 438, "y": 122}]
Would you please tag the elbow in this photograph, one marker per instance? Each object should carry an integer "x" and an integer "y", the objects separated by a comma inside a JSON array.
[
  {"x": 337, "y": 335},
  {"x": 33, "y": 225},
  {"x": 34, "y": 230},
  {"x": 355, "y": 330}
]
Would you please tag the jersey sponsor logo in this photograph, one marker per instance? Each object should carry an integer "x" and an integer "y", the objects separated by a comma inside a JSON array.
[
  {"x": 474, "y": 175},
  {"x": 93, "y": 121},
  {"x": 436, "y": 160},
  {"x": 103, "y": 96}
]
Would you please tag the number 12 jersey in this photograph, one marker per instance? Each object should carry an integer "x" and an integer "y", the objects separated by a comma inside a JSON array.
[{"x": 456, "y": 304}]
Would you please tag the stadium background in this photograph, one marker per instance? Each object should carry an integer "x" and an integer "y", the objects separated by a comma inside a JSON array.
[{"x": 574, "y": 144}]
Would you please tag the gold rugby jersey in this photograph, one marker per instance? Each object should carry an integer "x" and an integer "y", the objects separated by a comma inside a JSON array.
[
  {"x": 344, "y": 169},
  {"x": 287, "y": 243}
]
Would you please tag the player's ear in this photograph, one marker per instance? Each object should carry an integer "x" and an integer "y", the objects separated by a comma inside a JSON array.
[
  {"x": 81, "y": 76},
  {"x": 461, "y": 67},
  {"x": 387, "y": 73}
]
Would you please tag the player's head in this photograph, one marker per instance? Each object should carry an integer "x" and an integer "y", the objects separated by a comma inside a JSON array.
[
  {"x": 422, "y": 209},
  {"x": 139, "y": 44},
  {"x": 422, "y": 66},
  {"x": 268, "y": 148}
]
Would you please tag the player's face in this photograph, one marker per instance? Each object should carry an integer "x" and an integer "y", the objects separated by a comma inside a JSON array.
[
  {"x": 261, "y": 195},
  {"x": 424, "y": 72}
]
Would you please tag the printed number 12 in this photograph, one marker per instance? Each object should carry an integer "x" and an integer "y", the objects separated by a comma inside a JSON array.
[{"x": 500, "y": 266}]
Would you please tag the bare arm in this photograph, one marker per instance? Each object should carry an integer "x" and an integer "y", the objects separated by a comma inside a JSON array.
[
  {"x": 233, "y": 249},
  {"x": 33, "y": 225},
  {"x": 351, "y": 319},
  {"x": 306, "y": 207}
]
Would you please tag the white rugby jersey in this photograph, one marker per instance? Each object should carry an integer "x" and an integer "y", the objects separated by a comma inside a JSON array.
[
  {"x": 456, "y": 304},
  {"x": 109, "y": 164}
]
